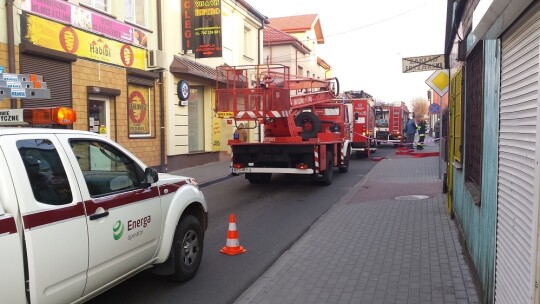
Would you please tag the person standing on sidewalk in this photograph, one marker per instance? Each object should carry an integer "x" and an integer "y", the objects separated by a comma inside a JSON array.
[
  {"x": 422, "y": 127},
  {"x": 410, "y": 131}
]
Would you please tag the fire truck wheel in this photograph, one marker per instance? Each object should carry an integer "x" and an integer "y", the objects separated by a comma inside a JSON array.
[
  {"x": 187, "y": 248},
  {"x": 345, "y": 167},
  {"x": 310, "y": 123},
  {"x": 259, "y": 178},
  {"x": 328, "y": 174}
]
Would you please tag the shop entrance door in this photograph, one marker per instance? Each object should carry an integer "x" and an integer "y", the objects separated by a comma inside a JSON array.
[{"x": 98, "y": 122}]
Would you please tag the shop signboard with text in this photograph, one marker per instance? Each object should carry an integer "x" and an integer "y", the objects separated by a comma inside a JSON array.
[
  {"x": 201, "y": 27},
  {"x": 59, "y": 37},
  {"x": 86, "y": 19}
]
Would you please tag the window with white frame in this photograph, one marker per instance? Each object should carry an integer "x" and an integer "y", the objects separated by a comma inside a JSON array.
[
  {"x": 102, "y": 5},
  {"x": 135, "y": 12},
  {"x": 247, "y": 41}
]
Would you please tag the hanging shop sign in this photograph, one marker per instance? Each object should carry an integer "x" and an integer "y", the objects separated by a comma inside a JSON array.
[
  {"x": 56, "y": 36},
  {"x": 423, "y": 63},
  {"x": 201, "y": 28}
]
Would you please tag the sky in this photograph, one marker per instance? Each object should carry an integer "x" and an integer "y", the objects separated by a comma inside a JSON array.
[{"x": 365, "y": 41}]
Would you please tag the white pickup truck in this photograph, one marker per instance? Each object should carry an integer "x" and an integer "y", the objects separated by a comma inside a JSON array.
[{"x": 79, "y": 214}]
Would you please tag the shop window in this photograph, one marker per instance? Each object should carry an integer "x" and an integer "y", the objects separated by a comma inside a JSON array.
[
  {"x": 196, "y": 119},
  {"x": 135, "y": 12},
  {"x": 101, "y": 5},
  {"x": 474, "y": 118},
  {"x": 139, "y": 111}
]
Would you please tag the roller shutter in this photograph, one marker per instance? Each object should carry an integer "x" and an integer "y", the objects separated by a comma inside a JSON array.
[
  {"x": 518, "y": 141},
  {"x": 57, "y": 75}
]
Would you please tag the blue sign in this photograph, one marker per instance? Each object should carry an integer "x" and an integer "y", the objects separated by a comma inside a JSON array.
[{"x": 434, "y": 108}]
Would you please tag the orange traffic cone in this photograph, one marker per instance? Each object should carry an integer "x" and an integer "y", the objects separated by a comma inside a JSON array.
[{"x": 232, "y": 247}]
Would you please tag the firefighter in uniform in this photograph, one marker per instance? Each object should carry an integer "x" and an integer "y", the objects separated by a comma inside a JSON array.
[{"x": 422, "y": 127}]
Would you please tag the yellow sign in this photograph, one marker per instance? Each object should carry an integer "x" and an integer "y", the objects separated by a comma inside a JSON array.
[
  {"x": 216, "y": 134},
  {"x": 439, "y": 81},
  {"x": 225, "y": 114},
  {"x": 56, "y": 36}
]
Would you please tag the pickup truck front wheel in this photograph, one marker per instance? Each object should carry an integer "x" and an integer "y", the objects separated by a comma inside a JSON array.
[{"x": 187, "y": 248}]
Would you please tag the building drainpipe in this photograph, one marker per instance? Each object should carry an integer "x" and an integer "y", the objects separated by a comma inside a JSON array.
[
  {"x": 259, "y": 42},
  {"x": 11, "y": 43},
  {"x": 259, "y": 46},
  {"x": 163, "y": 167}
]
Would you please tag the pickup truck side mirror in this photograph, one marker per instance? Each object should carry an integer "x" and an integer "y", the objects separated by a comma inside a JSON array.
[{"x": 150, "y": 176}]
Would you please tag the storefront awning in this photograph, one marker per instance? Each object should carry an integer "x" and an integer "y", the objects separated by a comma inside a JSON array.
[{"x": 189, "y": 67}]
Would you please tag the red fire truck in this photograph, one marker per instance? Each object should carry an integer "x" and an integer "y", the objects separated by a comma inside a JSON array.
[
  {"x": 362, "y": 112},
  {"x": 305, "y": 129},
  {"x": 390, "y": 121}
]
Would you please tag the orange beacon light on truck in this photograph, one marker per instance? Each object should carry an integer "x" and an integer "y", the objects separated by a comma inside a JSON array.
[{"x": 38, "y": 116}]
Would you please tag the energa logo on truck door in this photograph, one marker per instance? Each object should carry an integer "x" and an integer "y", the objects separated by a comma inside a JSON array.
[{"x": 118, "y": 230}]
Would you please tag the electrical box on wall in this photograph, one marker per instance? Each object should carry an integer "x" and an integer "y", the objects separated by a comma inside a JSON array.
[{"x": 156, "y": 59}]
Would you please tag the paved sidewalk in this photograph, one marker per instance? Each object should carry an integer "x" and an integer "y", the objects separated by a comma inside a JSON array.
[{"x": 384, "y": 242}]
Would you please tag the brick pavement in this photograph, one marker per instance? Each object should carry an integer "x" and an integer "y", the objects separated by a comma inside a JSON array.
[{"x": 372, "y": 248}]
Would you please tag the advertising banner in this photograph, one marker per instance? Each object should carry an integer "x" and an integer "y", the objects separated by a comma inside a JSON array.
[
  {"x": 138, "y": 110},
  {"x": 59, "y": 37},
  {"x": 201, "y": 27},
  {"x": 86, "y": 19}
]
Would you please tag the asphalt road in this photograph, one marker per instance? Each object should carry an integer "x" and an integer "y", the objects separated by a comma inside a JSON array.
[{"x": 270, "y": 218}]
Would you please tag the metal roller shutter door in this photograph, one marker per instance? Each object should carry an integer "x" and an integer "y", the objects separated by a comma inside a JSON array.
[
  {"x": 517, "y": 199},
  {"x": 57, "y": 75}
]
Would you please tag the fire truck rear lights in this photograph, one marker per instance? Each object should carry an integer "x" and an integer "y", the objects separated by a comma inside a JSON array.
[
  {"x": 301, "y": 166},
  {"x": 238, "y": 166},
  {"x": 38, "y": 116}
]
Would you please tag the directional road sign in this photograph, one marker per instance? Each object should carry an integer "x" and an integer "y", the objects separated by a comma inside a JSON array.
[{"x": 423, "y": 63}]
